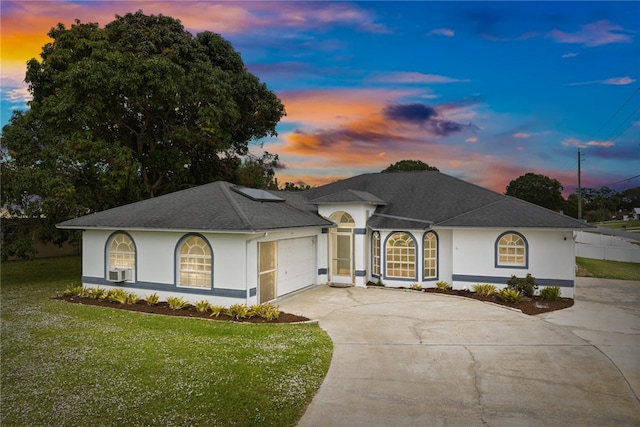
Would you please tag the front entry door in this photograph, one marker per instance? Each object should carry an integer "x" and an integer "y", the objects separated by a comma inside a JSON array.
[{"x": 341, "y": 257}]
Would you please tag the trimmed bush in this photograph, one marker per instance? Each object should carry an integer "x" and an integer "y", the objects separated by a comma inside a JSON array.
[
  {"x": 416, "y": 286},
  {"x": 238, "y": 311},
  {"x": 550, "y": 293},
  {"x": 216, "y": 310},
  {"x": 485, "y": 290},
  {"x": 526, "y": 285},
  {"x": 74, "y": 291}
]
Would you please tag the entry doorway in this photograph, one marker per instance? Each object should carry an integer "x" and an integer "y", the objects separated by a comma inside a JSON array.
[{"x": 341, "y": 269}]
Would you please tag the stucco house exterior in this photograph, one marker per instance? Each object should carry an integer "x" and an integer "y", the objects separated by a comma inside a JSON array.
[{"x": 231, "y": 244}]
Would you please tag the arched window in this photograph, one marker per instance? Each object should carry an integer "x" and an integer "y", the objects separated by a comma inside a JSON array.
[
  {"x": 194, "y": 260},
  {"x": 122, "y": 252},
  {"x": 375, "y": 253},
  {"x": 511, "y": 250},
  {"x": 400, "y": 254},
  {"x": 430, "y": 243}
]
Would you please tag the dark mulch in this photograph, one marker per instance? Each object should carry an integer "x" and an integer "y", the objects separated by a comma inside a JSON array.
[
  {"x": 190, "y": 311},
  {"x": 533, "y": 305}
]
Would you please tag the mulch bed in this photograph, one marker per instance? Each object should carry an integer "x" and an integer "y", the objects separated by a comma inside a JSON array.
[
  {"x": 533, "y": 305},
  {"x": 163, "y": 308}
]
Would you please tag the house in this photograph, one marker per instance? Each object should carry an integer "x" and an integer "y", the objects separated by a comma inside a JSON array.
[
  {"x": 636, "y": 213},
  {"x": 231, "y": 244}
]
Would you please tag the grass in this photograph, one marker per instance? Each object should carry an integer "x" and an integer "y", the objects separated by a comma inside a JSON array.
[
  {"x": 610, "y": 269},
  {"x": 74, "y": 365},
  {"x": 621, "y": 225}
]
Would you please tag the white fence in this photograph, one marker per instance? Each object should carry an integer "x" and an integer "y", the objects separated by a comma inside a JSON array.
[{"x": 600, "y": 246}]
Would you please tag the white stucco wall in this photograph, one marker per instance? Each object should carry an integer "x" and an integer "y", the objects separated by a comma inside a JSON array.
[{"x": 550, "y": 255}]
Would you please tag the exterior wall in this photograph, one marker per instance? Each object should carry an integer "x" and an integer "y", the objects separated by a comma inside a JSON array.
[
  {"x": 550, "y": 258},
  {"x": 235, "y": 264},
  {"x": 360, "y": 214}
]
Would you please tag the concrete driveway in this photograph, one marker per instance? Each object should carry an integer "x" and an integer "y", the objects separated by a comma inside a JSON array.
[{"x": 403, "y": 358}]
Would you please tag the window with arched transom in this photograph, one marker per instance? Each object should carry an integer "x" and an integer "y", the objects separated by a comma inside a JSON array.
[
  {"x": 122, "y": 252},
  {"x": 195, "y": 263},
  {"x": 511, "y": 250},
  {"x": 430, "y": 249},
  {"x": 400, "y": 256}
]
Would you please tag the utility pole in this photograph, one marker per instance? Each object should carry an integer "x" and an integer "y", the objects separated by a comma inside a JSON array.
[{"x": 579, "y": 188}]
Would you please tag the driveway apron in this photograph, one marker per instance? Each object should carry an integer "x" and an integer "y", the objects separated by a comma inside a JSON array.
[{"x": 406, "y": 358}]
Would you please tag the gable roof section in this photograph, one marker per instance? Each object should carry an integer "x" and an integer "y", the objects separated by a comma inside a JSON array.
[
  {"x": 427, "y": 199},
  {"x": 209, "y": 207}
]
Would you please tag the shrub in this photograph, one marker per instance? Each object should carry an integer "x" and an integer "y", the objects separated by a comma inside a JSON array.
[
  {"x": 153, "y": 299},
  {"x": 118, "y": 295},
  {"x": 176, "y": 303},
  {"x": 442, "y": 285},
  {"x": 132, "y": 298},
  {"x": 266, "y": 311},
  {"x": 416, "y": 286},
  {"x": 550, "y": 293},
  {"x": 238, "y": 311},
  {"x": 510, "y": 295},
  {"x": 202, "y": 306},
  {"x": 379, "y": 282},
  {"x": 96, "y": 293},
  {"x": 216, "y": 310},
  {"x": 526, "y": 285},
  {"x": 484, "y": 290},
  {"x": 74, "y": 291}
]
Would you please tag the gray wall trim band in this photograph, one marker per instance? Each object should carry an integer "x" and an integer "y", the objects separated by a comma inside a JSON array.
[
  {"x": 151, "y": 286},
  {"x": 360, "y": 230},
  {"x": 323, "y": 271},
  {"x": 361, "y": 273},
  {"x": 503, "y": 280}
]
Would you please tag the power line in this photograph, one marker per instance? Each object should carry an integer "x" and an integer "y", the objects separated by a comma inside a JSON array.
[
  {"x": 621, "y": 181},
  {"x": 622, "y": 124},
  {"x": 618, "y": 110}
]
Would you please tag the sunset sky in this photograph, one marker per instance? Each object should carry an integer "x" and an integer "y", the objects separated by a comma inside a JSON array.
[{"x": 484, "y": 91}]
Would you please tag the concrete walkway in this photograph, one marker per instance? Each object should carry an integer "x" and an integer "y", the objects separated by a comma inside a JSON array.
[{"x": 403, "y": 358}]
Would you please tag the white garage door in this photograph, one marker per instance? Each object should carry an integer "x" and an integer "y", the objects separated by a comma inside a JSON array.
[{"x": 296, "y": 264}]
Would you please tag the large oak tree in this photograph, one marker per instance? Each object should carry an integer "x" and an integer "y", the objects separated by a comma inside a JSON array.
[{"x": 133, "y": 110}]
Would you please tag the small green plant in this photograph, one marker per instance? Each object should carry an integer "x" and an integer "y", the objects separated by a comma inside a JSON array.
[
  {"x": 74, "y": 291},
  {"x": 216, "y": 310},
  {"x": 202, "y": 306},
  {"x": 238, "y": 311},
  {"x": 510, "y": 295},
  {"x": 176, "y": 303},
  {"x": 153, "y": 299},
  {"x": 526, "y": 285},
  {"x": 379, "y": 282},
  {"x": 266, "y": 311},
  {"x": 132, "y": 298},
  {"x": 96, "y": 293},
  {"x": 416, "y": 286},
  {"x": 118, "y": 295},
  {"x": 442, "y": 285},
  {"x": 550, "y": 293},
  {"x": 485, "y": 290}
]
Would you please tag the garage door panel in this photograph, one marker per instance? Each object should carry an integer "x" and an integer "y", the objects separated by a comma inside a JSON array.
[{"x": 296, "y": 264}]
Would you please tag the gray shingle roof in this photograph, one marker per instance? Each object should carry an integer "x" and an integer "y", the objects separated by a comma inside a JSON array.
[
  {"x": 405, "y": 200},
  {"x": 432, "y": 199},
  {"x": 213, "y": 207}
]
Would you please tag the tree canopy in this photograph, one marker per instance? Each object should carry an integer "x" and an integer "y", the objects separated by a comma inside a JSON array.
[
  {"x": 410, "y": 165},
  {"x": 537, "y": 189},
  {"x": 133, "y": 110}
]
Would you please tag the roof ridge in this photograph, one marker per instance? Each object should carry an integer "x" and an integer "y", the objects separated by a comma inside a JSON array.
[
  {"x": 473, "y": 210},
  {"x": 546, "y": 209},
  {"x": 227, "y": 194}
]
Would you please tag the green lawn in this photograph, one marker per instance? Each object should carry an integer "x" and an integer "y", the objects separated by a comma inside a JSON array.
[
  {"x": 621, "y": 225},
  {"x": 610, "y": 269},
  {"x": 74, "y": 365}
]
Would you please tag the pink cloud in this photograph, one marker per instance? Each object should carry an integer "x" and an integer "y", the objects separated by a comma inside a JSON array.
[
  {"x": 522, "y": 135},
  {"x": 595, "y": 34},
  {"x": 615, "y": 81},
  {"x": 414, "y": 77},
  {"x": 447, "y": 32},
  {"x": 574, "y": 142},
  {"x": 472, "y": 139}
]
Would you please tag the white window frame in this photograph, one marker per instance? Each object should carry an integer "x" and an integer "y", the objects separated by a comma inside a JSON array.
[
  {"x": 430, "y": 255},
  {"x": 375, "y": 254},
  {"x": 122, "y": 251},
  {"x": 512, "y": 250},
  {"x": 193, "y": 266},
  {"x": 400, "y": 260}
]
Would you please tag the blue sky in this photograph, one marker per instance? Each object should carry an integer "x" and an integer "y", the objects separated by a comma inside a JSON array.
[{"x": 484, "y": 91}]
